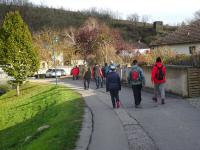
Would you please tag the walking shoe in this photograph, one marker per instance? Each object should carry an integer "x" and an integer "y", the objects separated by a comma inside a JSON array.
[
  {"x": 162, "y": 101},
  {"x": 154, "y": 99},
  {"x": 114, "y": 107},
  {"x": 118, "y": 104}
]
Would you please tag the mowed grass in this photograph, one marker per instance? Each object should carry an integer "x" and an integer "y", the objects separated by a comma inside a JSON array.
[{"x": 38, "y": 105}]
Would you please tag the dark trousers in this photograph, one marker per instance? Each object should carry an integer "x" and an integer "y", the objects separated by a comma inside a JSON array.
[
  {"x": 97, "y": 81},
  {"x": 75, "y": 77},
  {"x": 101, "y": 81},
  {"x": 86, "y": 83},
  {"x": 137, "y": 93},
  {"x": 114, "y": 96}
]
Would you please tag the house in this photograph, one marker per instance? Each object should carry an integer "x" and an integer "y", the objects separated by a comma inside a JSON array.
[
  {"x": 75, "y": 62},
  {"x": 135, "y": 49},
  {"x": 185, "y": 40},
  {"x": 3, "y": 75},
  {"x": 45, "y": 65}
]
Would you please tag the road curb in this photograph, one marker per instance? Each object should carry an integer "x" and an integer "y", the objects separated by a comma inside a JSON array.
[
  {"x": 138, "y": 138},
  {"x": 86, "y": 131}
]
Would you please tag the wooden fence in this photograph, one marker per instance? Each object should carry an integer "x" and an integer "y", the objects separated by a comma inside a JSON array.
[{"x": 193, "y": 82}]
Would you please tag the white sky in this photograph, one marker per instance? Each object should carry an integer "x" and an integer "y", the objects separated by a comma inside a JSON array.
[{"x": 169, "y": 11}]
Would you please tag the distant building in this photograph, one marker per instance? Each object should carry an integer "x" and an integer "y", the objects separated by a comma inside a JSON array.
[
  {"x": 185, "y": 40},
  {"x": 44, "y": 65},
  {"x": 137, "y": 48},
  {"x": 75, "y": 62},
  {"x": 3, "y": 75},
  {"x": 158, "y": 26}
]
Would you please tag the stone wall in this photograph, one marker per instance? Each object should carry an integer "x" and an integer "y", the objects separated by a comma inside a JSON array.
[{"x": 177, "y": 80}]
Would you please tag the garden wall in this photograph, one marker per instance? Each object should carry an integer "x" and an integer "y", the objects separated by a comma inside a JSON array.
[{"x": 179, "y": 80}]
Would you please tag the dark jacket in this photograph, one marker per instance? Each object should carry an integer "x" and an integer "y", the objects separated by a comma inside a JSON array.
[
  {"x": 97, "y": 72},
  {"x": 87, "y": 74},
  {"x": 113, "y": 81}
]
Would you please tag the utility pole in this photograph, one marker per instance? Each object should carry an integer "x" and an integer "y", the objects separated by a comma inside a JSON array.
[
  {"x": 54, "y": 56},
  {"x": 54, "y": 61}
]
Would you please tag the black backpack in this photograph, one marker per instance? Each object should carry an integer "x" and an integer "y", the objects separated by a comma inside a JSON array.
[{"x": 160, "y": 74}]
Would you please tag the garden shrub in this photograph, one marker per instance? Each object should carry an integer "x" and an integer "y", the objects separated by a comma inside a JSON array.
[{"x": 4, "y": 88}]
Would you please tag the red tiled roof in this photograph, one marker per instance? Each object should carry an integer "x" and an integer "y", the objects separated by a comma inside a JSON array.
[{"x": 185, "y": 34}]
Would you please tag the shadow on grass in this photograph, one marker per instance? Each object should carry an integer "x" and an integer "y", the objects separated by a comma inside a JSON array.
[
  {"x": 51, "y": 92},
  {"x": 31, "y": 86},
  {"x": 41, "y": 95},
  {"x": 65, "y": 122},
  {"x": 27, "y": 87}
]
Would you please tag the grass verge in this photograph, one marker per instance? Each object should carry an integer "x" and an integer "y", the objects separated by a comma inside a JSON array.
[{"x": 40, "y": 104}]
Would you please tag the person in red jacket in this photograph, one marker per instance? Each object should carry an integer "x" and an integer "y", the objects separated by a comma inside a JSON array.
[
  {"x": 75, "y": 72},
  {"x": 159, "y": 79}
]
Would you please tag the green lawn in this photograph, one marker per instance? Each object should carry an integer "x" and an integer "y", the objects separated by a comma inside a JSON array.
[{"x": 38, "y": 105}]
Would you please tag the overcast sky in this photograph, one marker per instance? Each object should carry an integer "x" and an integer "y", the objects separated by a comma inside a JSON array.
[{"x": 169, "y": 11}]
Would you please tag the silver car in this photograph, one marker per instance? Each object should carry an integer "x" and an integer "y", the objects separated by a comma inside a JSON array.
[
  {"x": 53, "y": 73},
  {"x": 63, "y": 72}
]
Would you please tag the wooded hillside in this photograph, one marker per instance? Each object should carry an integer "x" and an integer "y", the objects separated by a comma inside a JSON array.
[{"x": 39, "y": 17}]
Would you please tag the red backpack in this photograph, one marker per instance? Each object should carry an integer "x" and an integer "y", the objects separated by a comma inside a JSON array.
[{"x": 135, "y": 75}]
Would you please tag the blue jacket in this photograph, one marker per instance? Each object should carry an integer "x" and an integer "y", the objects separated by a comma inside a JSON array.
[{"x": 113, "y": 81}]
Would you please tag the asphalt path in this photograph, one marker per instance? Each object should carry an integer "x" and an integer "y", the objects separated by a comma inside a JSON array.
[{"x": 172, "y": 126}]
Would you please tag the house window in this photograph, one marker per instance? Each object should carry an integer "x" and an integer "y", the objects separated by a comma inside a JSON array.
[{"x": 192, "y": 50}]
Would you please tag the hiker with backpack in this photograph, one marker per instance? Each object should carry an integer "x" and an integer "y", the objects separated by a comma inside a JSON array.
[
  {"x": 97, "y": 75},
  {"x": 101, "y": 75},
  {"x": 137, "y": 79},
  {"x": 113, "y": 85},
  {"x": 75, "y": 72},
  {"x": 159, "y": 79},
  {"x": 87, "y": 77},
  {"x": 107, "y": 68}
]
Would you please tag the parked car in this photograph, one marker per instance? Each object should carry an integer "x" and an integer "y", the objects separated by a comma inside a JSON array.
[
  {"x": 63, "y": 72},
  {"x": 53, "y": 73}
]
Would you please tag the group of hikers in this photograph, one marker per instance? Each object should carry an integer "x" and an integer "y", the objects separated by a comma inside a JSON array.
[
  {"x": 136, "y": 77},
  {"x": 97, "y": 72}
]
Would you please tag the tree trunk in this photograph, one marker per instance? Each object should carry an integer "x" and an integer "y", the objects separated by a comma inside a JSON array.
[{"x": 17, "y": 89}]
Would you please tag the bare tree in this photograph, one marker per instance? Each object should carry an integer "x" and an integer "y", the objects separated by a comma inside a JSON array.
[
  {"x": 133, "y": 18},
  {"x": 15, "y": 2},
  {"x": 145, "y": 19},
  {"x": 69, "y": 35},
  {"x": 197, "y": 15}
]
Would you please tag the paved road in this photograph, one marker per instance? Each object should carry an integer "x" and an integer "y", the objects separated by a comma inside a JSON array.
[
  {"x": 173, "y": 126},
  {"x": 108, "y": 132}
]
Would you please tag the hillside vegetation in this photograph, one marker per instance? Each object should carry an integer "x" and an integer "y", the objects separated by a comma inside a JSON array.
[{"x": 39, "y": 17}]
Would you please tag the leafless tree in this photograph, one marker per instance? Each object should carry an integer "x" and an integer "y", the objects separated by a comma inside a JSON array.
[
  {"x": 145, "y": 19},
  {"x": 197, "y": 15},
  {"x": 15, "y": 2},
  {"x": 133, "y": 18}
]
